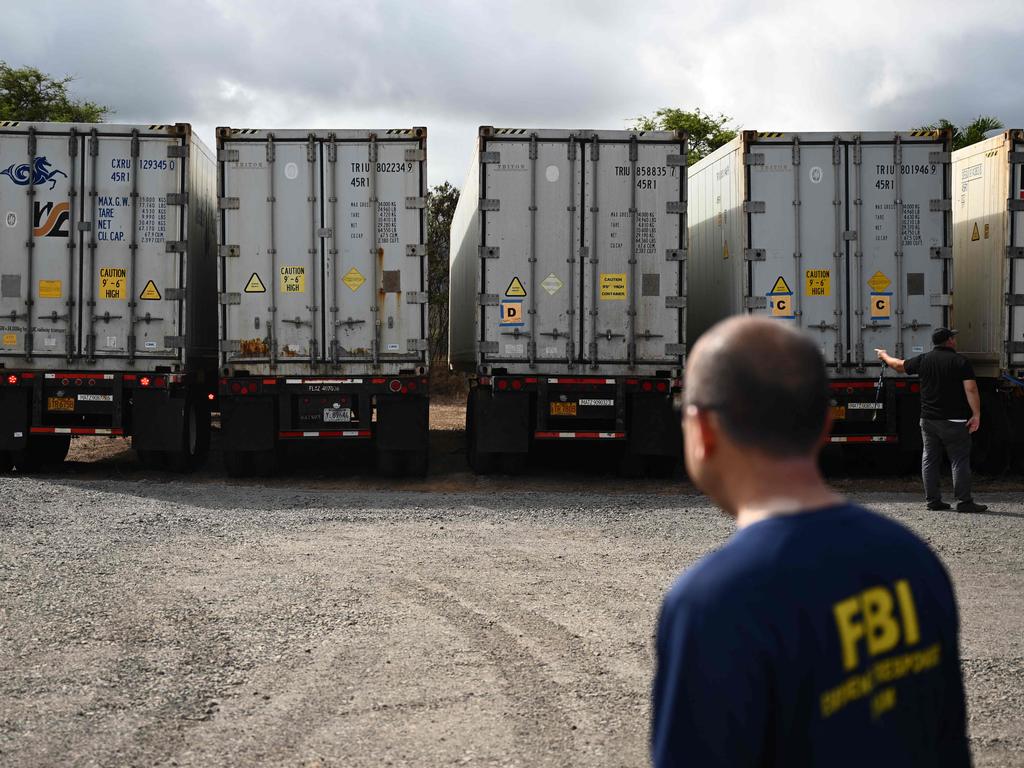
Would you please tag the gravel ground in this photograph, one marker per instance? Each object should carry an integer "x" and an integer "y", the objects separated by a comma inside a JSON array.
[{"x": 324, "y": 618}]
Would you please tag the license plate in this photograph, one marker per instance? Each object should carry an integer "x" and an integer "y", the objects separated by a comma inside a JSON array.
[
  {"x": 337, "y": 414},
  {"x": 60, "y": 403},
  {"x": 563, "y": 409},
  {"x": 838, "y": 412}
]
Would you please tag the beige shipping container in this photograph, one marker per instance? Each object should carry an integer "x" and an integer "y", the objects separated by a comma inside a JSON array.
[{"x": 988, "y": 253}]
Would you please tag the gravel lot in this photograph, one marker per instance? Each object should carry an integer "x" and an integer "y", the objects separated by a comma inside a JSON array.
[{"x": 325, "y": 618}]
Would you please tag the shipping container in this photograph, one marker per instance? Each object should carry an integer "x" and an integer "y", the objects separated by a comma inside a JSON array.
[
  {"x": 845, "y": 235},
  {"x": 988, "y": 304},
  {"x": 323, "y": 293},
  {"x": 107, "y": 291},
  {"x": 568, "y": 290}
]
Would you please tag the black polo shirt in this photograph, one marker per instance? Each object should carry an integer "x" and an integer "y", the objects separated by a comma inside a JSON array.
[{"x": 943, "y": 373}]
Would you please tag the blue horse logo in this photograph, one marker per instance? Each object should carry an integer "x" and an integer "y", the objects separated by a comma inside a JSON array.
[{"x": 39, "y": 175}]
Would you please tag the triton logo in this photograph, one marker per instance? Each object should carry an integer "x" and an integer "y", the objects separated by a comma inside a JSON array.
[
  {"x": 40, "y": 174},
  {"x": 50, "y": 219}
]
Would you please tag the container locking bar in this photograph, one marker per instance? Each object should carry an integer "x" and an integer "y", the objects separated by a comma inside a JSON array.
[
  {"x": 133, "y": 246},
  {"x": 94, "y": 151},
  {"x": 69, "y": 339},
  {"x": 31, "y": 244},
  {"x": 531, "y": 345},
  {"x": 374, "y": 214}
]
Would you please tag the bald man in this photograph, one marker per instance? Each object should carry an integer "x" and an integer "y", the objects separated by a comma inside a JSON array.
[{"x": 820, "y": 634}]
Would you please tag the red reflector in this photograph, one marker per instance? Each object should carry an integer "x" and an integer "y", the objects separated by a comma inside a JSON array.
[
  {"x": 915, "y": 387},
  {"x": 517, "y": 384},
  {"x": 631, "y": 382},
  {"x": 144, "y": 381},
  {"x": 405, "y": 390},
  {"x": 531, "y": 380},
  {"x": 395, "y": 385},
  {"x": 411, "y": 385},
  {"x": 270, "y": 381},
  {"x": 502, "y": 383},
  {"x": 12, "y": 379},
  {"x": 662, "y": 386},
  {"x": 646, "y": 386},
  {"x": 377, "y": 381},
  {"x": 244, "y": 391}
]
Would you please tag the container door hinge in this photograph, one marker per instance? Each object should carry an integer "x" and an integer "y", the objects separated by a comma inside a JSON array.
[
  {"x": 490, "y": 157},
  {"x": 675, "y": 254},
  {"x": 1016, "y": 158},
  {"x": 850, "y": 234},
  {"x": 85, "y": 226},
  {"x": 416, "y": 345},
  {"x": 940, "y": 205},
  {"x": 415, "y": 249},
  {"x": 941, "y": 252},
  {"x": 675, "y": 302},
  {"x": 487, "y": 299},
  {"x": 325, "y": 232},
  {"x": 753, "y": 158},
  {"x": 176, "y": 246},
  {"x": 230, "y": 298},
  {"x": 753, "y": 206},
  {"x": 174, "y": 342},
  {"x": 676, "y": 206},
  {"x": 415, "y": 202},
  {"x": 415, "y": 155},
  {"x": 754, "y": 254},
  {"x": 415, "y": 297},
  {"x": 489, "y": 251},
  {"x": 1015, "y": 299},
  {"x": 1015, "y": 205},
  {"x": 675, "y": 349},
  {"x": 229, "y": 251},
  {"x": 1014, "y": 252},
  {"x": 489, "y": 204},
  {"x": 178, "y": 151},
  {"x": 227, "y": 155},
  {"x": 175, "y": 294},
  {"x": 939, "y": 157},
  {"x": 230, "y": 346},
  {"x": 755, "y": 302},
  {"x": 940, "y": 300},
  {"x": 675, "y": 161},
  {"x": 489, "y": 347},
  {"x": 227, "y": 203},
  {"x": 177, "y": 198}
]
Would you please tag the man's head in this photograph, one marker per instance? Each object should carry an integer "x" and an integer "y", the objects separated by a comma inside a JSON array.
[
  {"x": 756, "y": 393},
  {"x": 944, "y": 337}
]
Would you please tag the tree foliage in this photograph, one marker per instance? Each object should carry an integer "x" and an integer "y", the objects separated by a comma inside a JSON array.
[
  {"x": 970, "y": 133},
  {"x": 28, "y": 94},
  {"x": 440, "y": 210},
  {"x": 707, "y": 132}
]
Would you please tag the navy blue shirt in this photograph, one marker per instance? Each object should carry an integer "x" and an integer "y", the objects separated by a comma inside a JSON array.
[{"x": 825, "y": 638}]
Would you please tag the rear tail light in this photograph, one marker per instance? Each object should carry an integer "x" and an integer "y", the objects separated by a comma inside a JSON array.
[
  {"x": 210, "y": 396},
  {"x": 502, "y": 384},
  {"x": 12, "y": 378},
  {"x": 646, "y": 386},
  {"x": 517, "y": 384},
  {"x": 395, "y": 385},
  {"x": 144, "y": 381},
  {"x": 411, "y": 385},
  {"x": 662, "y": 386},
  {"x": 160, "y": 381}
]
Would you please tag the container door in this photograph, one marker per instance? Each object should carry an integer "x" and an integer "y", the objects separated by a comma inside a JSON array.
[
  {"x": 900, "y": 293},
  {"x": 271, "y": 219},
  {"x": 39, "y": 244},
  {"x": 1015, "y": 333},
  {"x": 531, "y": 236},
  {"x": 797, "y": 220},
  {"x": 633, "y": 291},
  {"x": 374, "y": 279},
  {"x": 132, "y": 273}
]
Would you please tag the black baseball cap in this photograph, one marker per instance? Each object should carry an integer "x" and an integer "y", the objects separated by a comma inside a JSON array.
[{"x": 942, "y": 335}]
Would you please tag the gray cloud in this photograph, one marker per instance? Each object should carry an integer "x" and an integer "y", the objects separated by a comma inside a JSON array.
[{"x": 453, "y": 65}]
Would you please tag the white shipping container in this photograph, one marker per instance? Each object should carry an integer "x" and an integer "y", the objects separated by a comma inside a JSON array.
[
  {"x": 106, "y": 247},
  {"x": 988, "y": 253},
  {"x": 568, "y": 253},
  {"x": 846, "y": 235},
  {"x": 323, "y": 257}
]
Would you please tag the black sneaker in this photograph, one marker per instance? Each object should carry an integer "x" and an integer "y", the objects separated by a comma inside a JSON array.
[
  {"x": 970, "y": 506},
  {"x": 938, "y": 506}
]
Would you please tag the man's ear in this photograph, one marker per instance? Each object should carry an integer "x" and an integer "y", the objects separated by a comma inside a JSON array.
[{"x": 708, "y": 439}]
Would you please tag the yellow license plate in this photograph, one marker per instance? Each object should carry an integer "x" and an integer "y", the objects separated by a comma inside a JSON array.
[
  {"x": 60, "y": 403},
  {"x": 838, "y": 412},
  {"x": 563, "y": 409}
]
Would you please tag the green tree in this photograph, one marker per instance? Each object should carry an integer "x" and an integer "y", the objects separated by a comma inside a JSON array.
[
  {"x": 707, "y": 132},
  {"x": 970, "y": 133},
  {"x": 33, "y": 96},
  {"x": 440, "y": 210}
]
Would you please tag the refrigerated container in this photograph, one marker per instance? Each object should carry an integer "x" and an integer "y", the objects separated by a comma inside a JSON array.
[
  {"x": 323, "y": 293},
  {"x": 988, "y": 304},
  {"x": 107, "y": 290},
  {"x": 845, "y": 235},
  {"x": 568, "y": 291}
]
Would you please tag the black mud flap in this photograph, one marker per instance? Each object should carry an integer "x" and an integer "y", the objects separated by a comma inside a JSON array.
[
  {"x": 14, "y": 417},
  {"x": 654, "y": 427},
  {"x": 403, "y": 423},
  {"x": 157, "y": 420},
  {"x": 248, "y": 423},
  {"x": 502, "y": 422},
  {"x": 908, "y": 421}
]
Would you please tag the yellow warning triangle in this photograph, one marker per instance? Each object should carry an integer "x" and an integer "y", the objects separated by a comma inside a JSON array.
[
  {"x": 780, "y": 286},
  {"x": 150, "y": 292},
  {"x": 515, "y": 288},
  {"x": 255, "y": 285},
  {"x": 975, "y": 235}
]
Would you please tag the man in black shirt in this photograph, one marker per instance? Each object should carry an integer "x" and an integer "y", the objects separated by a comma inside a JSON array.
[{"x": 950, "y": 414}]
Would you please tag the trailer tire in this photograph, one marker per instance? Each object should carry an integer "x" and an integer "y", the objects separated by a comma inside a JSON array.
[{"x": 194, "y": 440}]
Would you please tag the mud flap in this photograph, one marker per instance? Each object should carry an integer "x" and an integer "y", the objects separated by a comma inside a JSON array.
[
  {"x": 248, "y": 424},
  {"x": 402, "y": 423},
  {"x": 14, "y": 417},
  {"x": 653, "y": 427},
  {"x": 502, "y": 422},
  {"x": 157, "y": 420}
]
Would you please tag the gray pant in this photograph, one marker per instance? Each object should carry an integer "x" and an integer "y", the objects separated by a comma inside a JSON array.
[{"x": 953, "y": 438}]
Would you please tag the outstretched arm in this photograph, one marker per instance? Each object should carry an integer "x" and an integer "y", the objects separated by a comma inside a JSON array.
[{"x": 893, "y": 362}]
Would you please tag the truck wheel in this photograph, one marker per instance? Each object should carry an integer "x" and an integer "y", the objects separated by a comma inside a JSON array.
[
  {"x": 238, "y": 463},
  {"x": 194, "y": 440}
]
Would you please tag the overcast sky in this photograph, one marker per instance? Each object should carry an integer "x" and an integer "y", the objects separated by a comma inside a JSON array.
[{"x": 453, "y": 65}]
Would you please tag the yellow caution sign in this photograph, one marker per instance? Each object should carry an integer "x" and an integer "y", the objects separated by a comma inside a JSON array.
[
  {"x": 515, "y": 289},
  {"x": 353, "y": 279},
  {"x": 881, "y": 306},
  {"x": 817, "y": 282},
  {"x": 10, "y": 339},
  {"x": 293, "y": 279},
  {"x": 975, "y": 234},
  {"x": 255, "y": 285},
  {"x": 511, "y": 313},
  {"x": 781, "y": 286},
  {"x": 50, "y": 289},
  {"x": 113, "y": 283},
  {"x": 612, "y": 286},
  {"x": 879, "y": 281},
  {"x": 150, "y": 292}
]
